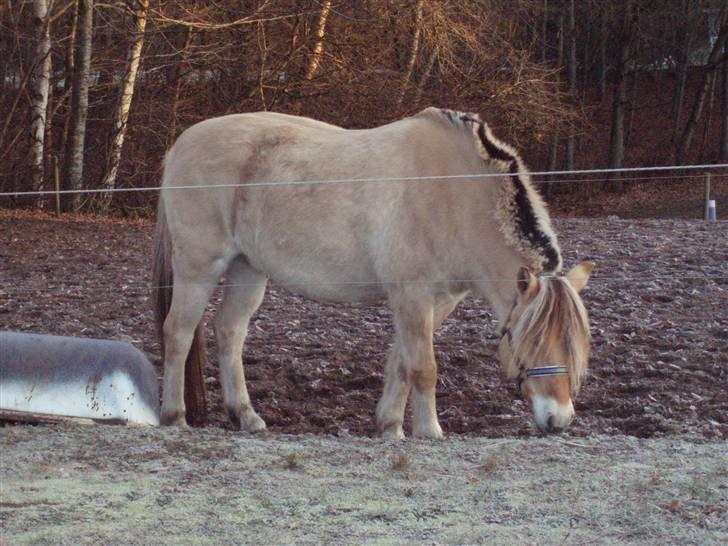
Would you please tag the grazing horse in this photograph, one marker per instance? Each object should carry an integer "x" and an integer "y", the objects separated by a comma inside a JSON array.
[{"x": 232, "y": 205}]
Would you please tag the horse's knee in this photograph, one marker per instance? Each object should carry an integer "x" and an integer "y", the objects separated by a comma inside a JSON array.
[{"x": 424, "y": 379}]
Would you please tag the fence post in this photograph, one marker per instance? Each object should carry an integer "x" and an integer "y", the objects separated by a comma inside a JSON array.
[
  {"x": 707, "y": 195},
  {"x": 57, "y": 183}
]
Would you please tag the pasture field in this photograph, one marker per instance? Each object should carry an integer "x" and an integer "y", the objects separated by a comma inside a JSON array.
[
  {"x": 116, "y": 485},
  {"x": 644, "y": 461}
]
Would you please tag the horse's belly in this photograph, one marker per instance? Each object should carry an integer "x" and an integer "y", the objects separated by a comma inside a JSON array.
[{"x": 331, "y": 278}]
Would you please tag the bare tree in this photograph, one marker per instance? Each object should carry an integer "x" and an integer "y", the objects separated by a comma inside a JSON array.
[
  {"x": 714, "y": 60},
  {"x": 602, "y": 70},
  {"x": 724, "y": 124},
  {"x": 126, "y": 94},
  {"x": 414, "y": 49},
  {"x": 685, "y": 36},
  {"x": 318, "y": 49},
  {"x": 554, "y": 162},
  {"x": 426, "y": 76},
  {"x": 571, "y": 64},
  {"x": 40, "y": 84},
  {"x": 177, "y": 84},
  {"x": 73, "y": 172},
  {"x": 626, "y": 52}
]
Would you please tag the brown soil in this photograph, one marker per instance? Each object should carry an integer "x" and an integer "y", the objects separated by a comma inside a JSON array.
[{"x": 658, "y": 305}]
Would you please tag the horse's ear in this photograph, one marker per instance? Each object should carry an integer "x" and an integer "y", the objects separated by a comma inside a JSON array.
[
  {"x": 579, "y": 275},
  {"x": 527, "y": 282}
]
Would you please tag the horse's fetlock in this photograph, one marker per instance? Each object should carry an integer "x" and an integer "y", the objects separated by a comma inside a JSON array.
[
  {"x": 392, "y": 432},
  {"x": 173, "y": 418},
  {"x": 244, "y": 418}
]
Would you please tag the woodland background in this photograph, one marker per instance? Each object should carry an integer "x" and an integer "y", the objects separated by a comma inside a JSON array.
[{"x": 93, "y": 93}]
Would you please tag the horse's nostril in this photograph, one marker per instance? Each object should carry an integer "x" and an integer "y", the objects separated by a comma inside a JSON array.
[{"x": 550, "y": 423}]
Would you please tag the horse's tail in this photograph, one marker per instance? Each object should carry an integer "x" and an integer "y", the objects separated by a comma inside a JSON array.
[{"x": 162, "y": 284}]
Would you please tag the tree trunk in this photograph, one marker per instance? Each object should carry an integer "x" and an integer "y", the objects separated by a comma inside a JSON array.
[
  {"x": 571, "y": 59},
  {"x": 682, "y": 71},
  {"x": 616, "y": 137},
  {"x": 177, "y": 83},
  {"x": 586, "y": 69},
  {"x": 40, "y": 85},
  {"x": 714, "y": 60},
  {"x": 633, "y": 96},
  {"x": 68, "y": 77},
  {"x": 318, "y": 49},
  {"x": 602, "y": 75},
  {"x": 73, "y": 175},
  {"x": 414, "y": 48},
  {"x": 425, "y": 76},
  {"x": 554, "y": 160},
  {"x": 544, "y": 31},
  {"x": 724, "y": 124},
  {"x": 709, "y": 115},
  {"x": 121, "y": 116}
]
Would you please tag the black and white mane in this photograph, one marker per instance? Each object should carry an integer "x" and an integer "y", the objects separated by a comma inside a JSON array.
[{"x": 521, "y": 211}]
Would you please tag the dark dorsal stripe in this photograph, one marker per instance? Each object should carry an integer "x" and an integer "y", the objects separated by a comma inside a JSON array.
[
  {"x": 528, "y": 223},
  {"x": 526, "y": 220}
]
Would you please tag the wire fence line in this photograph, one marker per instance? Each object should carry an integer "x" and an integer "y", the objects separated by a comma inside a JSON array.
[{"x": 437, "y": 178}]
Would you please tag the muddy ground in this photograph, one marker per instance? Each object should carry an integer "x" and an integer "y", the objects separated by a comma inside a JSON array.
[
  {"x": 643, "y": 463},
  {"x": 658, "y": 302}
]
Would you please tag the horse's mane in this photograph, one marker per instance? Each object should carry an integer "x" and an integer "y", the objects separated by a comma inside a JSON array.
[
  {"x": 555, "y": 315},
  {"x": 520, "y": 211}
]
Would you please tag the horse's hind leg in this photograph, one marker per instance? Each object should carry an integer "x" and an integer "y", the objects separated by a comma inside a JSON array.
[
  {"x": 243, "y": 295},
  {"x": 189, "y": 298}
]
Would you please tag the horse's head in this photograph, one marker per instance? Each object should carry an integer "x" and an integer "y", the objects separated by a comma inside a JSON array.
[{"x": 545, "y": 343}]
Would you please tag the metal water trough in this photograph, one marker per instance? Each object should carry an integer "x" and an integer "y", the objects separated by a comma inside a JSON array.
[{"x": 47, "y": 378}]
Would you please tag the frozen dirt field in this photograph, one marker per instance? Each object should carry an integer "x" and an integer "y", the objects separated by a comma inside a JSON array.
[{"x": 105, "y": 484}]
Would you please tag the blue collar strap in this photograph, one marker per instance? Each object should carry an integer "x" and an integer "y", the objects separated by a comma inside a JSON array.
[{"x": 547, "y": 370}]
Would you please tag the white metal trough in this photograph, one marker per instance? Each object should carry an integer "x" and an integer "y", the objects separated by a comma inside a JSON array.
[{"x": 102, "y": 380}]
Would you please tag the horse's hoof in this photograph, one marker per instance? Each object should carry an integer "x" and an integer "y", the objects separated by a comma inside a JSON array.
[
  {"x": 246, "y": 419},
  {"x": 431, "y": 433},
  {"x": 173, "y": 419},
  {"x": 392, "y": 433},
  {"x": 251, "y": 422}
]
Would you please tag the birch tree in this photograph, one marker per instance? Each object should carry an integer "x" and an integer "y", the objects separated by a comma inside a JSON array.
[
  {"x": 414, "y": 49},
  {"x": 318, "y": 49},
  {"x": 40, "y": 84},
  {"x": 126, "y": 94},
  {"x": 79, "y": 103}
]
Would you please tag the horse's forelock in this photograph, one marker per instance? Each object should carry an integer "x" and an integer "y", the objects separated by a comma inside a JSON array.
[{"x": 555, "y": 315}]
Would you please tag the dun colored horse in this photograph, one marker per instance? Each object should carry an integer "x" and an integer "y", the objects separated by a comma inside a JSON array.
[{"x": 232, "y": 206}]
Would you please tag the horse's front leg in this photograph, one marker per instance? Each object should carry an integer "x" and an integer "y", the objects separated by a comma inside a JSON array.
[{"x": 416, "y": 371}]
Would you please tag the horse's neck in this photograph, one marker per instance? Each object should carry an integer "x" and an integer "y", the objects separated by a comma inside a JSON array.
[{"x": 500, "y": 291}]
